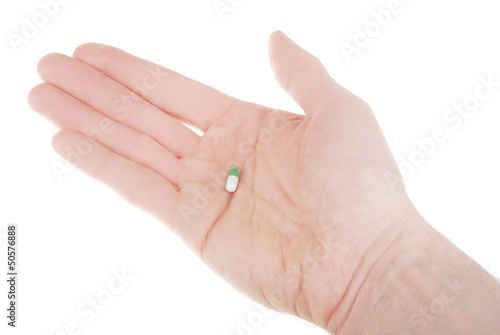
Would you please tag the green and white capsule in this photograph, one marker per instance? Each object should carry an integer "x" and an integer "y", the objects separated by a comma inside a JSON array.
[{"x": 232, "y": 179}]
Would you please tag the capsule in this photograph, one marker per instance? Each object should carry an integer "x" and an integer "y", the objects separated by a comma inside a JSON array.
[{"x": 232, "y": 179}]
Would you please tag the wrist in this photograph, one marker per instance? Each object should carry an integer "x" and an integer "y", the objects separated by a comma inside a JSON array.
[
  {"x": 384, "y": 262},
  {"x": 417, "y": 282}
]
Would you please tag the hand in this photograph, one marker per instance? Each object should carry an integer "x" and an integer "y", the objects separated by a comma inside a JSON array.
[{"x": 319, "y": 197}]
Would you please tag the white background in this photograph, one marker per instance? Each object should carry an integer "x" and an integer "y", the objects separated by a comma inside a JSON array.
[{"x": 73, "y": 232}]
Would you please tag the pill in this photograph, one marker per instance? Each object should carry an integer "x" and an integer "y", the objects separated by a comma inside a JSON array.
[{"x": 232, "y": 179}]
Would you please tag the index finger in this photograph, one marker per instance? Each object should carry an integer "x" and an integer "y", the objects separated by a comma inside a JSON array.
[{"x": 179, "y": 96}]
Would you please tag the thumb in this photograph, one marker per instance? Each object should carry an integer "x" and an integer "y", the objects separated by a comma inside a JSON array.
[{"x": 303, "y": 76}]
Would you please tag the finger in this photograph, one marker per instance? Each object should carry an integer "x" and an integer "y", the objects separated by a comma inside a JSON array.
[
  {"x": 136, "y": 183},
  {"x": 68, "y": 113},
  {"x": 117, "y": 102},
  {"x": 303, "y": 76},
  {"x": 181, "y": 97}
]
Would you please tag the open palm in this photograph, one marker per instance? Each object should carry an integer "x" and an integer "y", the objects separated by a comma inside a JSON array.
[{"x": 315, "y": 193}]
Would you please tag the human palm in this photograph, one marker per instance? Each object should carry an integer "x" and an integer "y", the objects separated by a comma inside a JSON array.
[{"x": 315, "y": 192}]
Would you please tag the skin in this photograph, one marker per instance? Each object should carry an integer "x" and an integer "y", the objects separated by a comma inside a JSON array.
[{"x": 320, "y": 212}]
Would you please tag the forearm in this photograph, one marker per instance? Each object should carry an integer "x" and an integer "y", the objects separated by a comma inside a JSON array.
[{"x": 420, "y": 284}]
